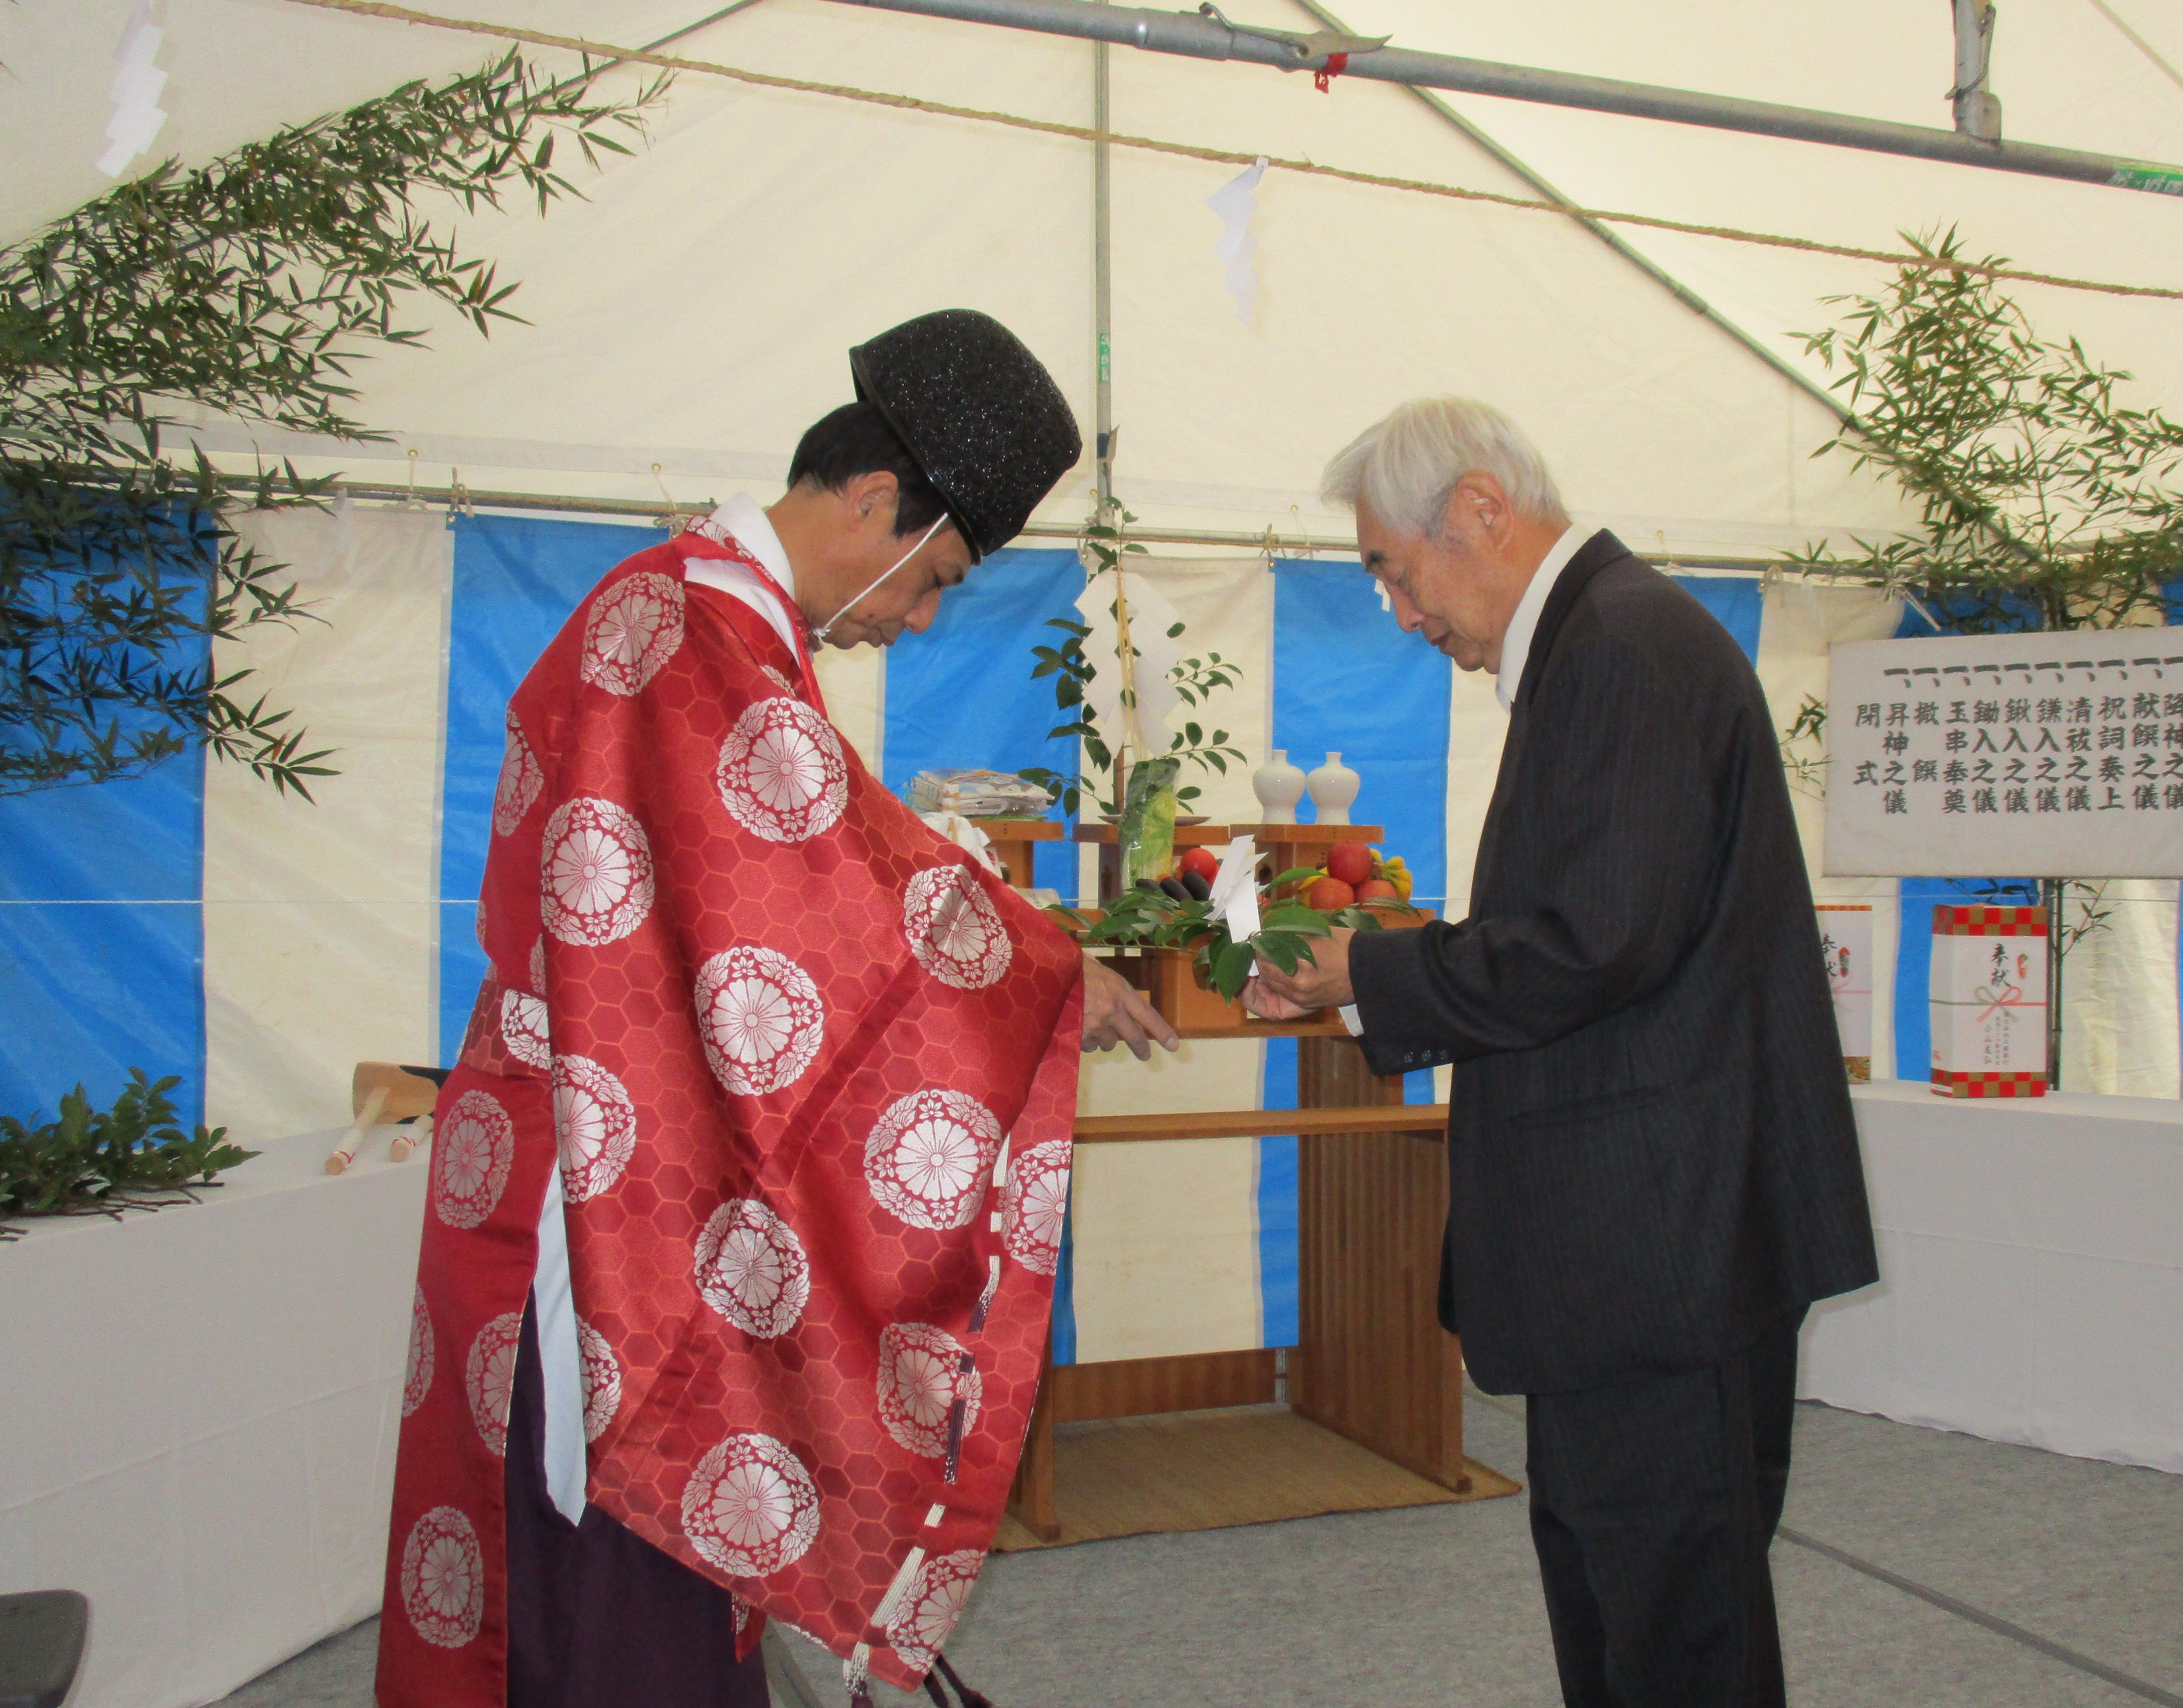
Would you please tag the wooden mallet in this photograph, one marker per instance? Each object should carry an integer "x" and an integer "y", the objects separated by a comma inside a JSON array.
[{"x": 385, "y": 1091}]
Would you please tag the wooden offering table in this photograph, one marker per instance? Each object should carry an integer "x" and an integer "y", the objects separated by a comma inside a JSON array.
[
  {"x": 1012, "y": 840},
  {"x": 1373, "y": 1363}
]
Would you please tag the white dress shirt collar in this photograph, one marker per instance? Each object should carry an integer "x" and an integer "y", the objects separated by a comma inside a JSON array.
[{"x": 1516, "y": 645}]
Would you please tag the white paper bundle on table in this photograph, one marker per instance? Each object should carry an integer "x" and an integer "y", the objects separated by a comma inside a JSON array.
[
  {"x": 1989, "y": 1001},
  {"x": 1846, "y": 946}
]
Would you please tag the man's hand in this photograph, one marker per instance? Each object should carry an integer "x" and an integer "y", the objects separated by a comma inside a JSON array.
[
  {"x": 1273, "y": 994},
  {"x": 1116, "y": 1012}
]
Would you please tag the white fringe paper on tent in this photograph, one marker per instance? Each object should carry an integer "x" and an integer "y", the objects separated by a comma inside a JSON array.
[
  {"x": 137, "y": 116},
  {"x": 1236, "y": 202}
]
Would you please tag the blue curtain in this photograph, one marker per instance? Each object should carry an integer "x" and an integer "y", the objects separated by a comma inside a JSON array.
[
  {"x": 960, "y": 696},
  {"x": 101, "y": 938}
]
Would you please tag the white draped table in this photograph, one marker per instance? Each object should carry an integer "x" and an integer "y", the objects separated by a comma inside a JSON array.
[
  {"x": 2031, "y": 1266},
  {"x": 197, "y": 1417}
]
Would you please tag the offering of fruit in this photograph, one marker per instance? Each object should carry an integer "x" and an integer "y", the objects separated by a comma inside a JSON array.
[
  {"x": 1330, "y": 894},
  {"x": 1350, "y": 862},
  {"x": 1202, "y": 861},
  {"x": 1371, "y": 877}
]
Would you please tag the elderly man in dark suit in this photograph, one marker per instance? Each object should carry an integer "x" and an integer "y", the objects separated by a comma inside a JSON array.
[{"x": 1652, "y": 1169}]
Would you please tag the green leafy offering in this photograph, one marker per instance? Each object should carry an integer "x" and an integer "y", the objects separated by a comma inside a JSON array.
[
  {"x": 1194, "y": 679},
  {"x": 101, "y": 1162},
  {"x": 1150, "y": 918}
]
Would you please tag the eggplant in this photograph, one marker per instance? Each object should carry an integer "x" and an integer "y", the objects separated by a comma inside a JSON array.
[
  {"x": 1151, "y": 884},
  {"x": 1173, "y": 888},
  {"x": 1199, "y": 889}
]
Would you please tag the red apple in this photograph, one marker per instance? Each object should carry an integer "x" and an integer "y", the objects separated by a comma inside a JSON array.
[
  {"x": 1378, "y": 889},
  {"x": 1350, "y": 862},
  {"x": 1202, "y": 861},
  {"x": 1329, "y": 894}
]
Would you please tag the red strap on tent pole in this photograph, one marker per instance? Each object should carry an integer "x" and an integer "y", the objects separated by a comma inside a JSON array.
[{"x": 1336, "y": 64}]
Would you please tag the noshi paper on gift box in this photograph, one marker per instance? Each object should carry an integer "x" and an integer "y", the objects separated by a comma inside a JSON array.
[
  {"x": 1845, "y": 950},
  {"x": 1989, "y": 1001}
]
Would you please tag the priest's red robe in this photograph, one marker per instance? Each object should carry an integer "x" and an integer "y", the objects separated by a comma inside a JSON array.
[{"x": 809, "y": 1075}]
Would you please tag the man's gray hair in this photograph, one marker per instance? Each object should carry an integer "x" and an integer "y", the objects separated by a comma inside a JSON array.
[{"x": 1405, "y": 464}]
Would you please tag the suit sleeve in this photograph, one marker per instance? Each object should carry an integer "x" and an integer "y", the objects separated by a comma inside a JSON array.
[{"x": 1613, "y": 822}]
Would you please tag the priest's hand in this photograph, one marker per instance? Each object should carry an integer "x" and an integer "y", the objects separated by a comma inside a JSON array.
[
  {"x": 1324, "y": 983},
  {"x": 1115, "y": 1011}
]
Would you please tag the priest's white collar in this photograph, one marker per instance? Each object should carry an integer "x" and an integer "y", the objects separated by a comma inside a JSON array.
[
  {"x": 1516, "y": 645},
  {"x": 742, "y": 516},
  {"x": 769, "y": 592}
]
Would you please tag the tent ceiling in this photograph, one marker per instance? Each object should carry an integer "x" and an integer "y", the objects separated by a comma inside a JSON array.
[{"x": 694, "y": 312}]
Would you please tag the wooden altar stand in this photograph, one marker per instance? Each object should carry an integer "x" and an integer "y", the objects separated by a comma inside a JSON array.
[{"x": 1372, "y": 1363}]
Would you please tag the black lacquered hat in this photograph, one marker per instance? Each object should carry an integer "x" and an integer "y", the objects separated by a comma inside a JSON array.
[{"x": 978, "y": 411}]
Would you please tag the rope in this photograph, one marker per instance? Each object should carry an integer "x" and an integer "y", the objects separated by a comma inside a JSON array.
[{"x": 1153, "y": 145}]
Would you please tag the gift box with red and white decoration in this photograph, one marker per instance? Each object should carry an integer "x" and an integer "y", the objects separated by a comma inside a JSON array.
[{"x": 1989, "y": 1001}]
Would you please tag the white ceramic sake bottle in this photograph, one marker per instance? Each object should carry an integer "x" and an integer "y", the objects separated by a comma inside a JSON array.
[
  {"x": 1279, "y": 786},
  {"x": 1334, "y": 786}
]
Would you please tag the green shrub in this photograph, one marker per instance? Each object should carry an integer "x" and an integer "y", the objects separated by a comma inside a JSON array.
[{"x": 101, "y": 1161}]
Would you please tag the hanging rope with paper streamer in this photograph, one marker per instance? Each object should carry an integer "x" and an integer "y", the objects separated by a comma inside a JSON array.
[
  {"x": 1236, "y": 202},
  {"x": 137, "y": 116}
]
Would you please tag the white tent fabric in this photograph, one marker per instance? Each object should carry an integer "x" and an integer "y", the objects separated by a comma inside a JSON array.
[{"x": 765, "y": 231}]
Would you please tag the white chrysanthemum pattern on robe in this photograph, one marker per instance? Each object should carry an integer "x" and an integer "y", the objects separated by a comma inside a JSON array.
[
  {"x": 1034, "y": 1203},
  {"x": 920, "y": 1378},
  {"x": 596, "y": 872},
  {"x": 954, "y": 930},
  {"x": 750, "y": 1507},
  {"x": 760, "y": 1017},
  {"x": 489, "y": 1378},
  {"x": 443, "y": 1579},
  {"x": 750, "y": 1267},
  {"x": 919, "y": 1626},
  {"x": 929, "y": 1160},
  {"x": 523, "y": 1028},
  {"x": 417, "y": 1376},
  {"x": 520, "y": 780},
  {"x": 594, "y": 1124},
  {"x": 602, "y": 1380},
  {"x": 634, "y": 628},
  {"x": 782, "y": 774},
  {"x": 472, "y": 1150}
]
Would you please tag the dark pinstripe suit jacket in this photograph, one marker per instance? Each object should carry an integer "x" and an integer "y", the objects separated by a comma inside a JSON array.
[{"x": 1650, "y": 1146}]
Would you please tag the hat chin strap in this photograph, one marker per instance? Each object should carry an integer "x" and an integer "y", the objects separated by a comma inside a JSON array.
[{"x": 827, "y": 627}]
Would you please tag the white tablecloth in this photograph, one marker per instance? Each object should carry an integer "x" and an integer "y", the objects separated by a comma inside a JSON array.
[
  {"x": 197, "y": 1417},
  {"x": 2031, "y": 1266}
]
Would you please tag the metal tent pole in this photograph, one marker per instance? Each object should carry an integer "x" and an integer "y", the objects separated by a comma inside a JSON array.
[{"x": 1198, "y": 36}]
